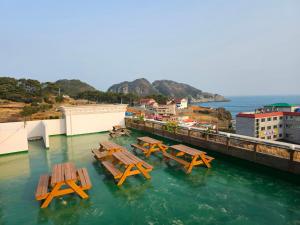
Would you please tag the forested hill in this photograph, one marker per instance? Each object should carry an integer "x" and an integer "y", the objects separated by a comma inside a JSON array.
[{"x": 27, "y": 90}]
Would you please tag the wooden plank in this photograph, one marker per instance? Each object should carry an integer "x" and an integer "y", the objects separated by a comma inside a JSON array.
[
  {"x": 112, "y": 169},
  {"x": 73, "y": 171},
  {"x": 108, "y": 145},
  {"x": 181, "y": 161},
  {"x": 139, "y": 147},
  {"x": 123, "y": 158},
  {"x": 42, "y": 188},
  {"x": 87, "y": 178},
  {"x": 149, "y": 140},
  {"x": 81, "y": 178},
  {"x": 187, "y": 150},
  {"x": 54, "y": 175}
]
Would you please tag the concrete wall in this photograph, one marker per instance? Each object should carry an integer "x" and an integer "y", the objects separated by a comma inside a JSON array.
[
  {"x": 91, "y": 123},
  {"x": 91, "y": 119},
  {"x": 13, "y": 137},
  {"x": 245, "y": 126},
  {"x": 78, "y": 120}
]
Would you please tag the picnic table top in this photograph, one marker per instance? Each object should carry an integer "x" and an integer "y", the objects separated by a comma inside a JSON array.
[
  {"x": 127, "y": 157},
  {"x": 149, "y": 140},
  {"x": 187, "y": 149},
  {"x": 108, "y": 145},
  {"x": 63, "y": 172}
]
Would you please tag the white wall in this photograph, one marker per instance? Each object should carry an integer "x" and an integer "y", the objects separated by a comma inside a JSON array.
[
  {"x": 93, "y": 118},
  {"x": 13, "y": 137},
  {"x": 79, "y": 120},
  {"x": 91, "y": 123}
]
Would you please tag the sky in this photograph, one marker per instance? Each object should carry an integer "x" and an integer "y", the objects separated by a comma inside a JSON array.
[{"x": 230, "y": 47}]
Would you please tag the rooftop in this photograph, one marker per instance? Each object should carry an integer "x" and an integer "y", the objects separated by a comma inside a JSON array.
[
  {"x": 231, "y": 192},
  {"x": 281, "y": 105}
]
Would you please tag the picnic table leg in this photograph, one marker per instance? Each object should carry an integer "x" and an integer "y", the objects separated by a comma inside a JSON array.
[
  {"x": 124, "y": 175},
  {"x": 191, "y": 165},
  {"x": 77, "y": 189},
  {"x": 51, "y": 195},
  {"x": 204, "y": 160},
  {"x": 143, "y": 171},
  {"x": 150, "y": 150}
]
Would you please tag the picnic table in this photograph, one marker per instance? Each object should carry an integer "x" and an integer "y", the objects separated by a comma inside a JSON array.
[
  {"x": 106, "y": 149},
  {"x": 125, "y": 164},
  {"x": 118, "y": 131},
  {"x": 149, "y": 145},
  {"x": 188, "y": 157},
  {"x": 63, "y": 175}
]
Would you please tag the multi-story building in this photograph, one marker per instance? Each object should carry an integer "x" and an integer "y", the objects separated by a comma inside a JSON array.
[
  {"x": 270, "y": 125},
  {"x": 281, "y": 107},
  {"x": 181, "y": 103},
  {"x": 166, "y": 110}
]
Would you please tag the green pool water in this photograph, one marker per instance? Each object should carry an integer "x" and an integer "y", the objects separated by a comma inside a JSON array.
[{"x": 232, "y": 192}]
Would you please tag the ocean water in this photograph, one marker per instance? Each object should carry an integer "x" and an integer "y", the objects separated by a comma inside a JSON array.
[
  {"x": 250, "y": 103},
  {"x": 232, "y": 192}
]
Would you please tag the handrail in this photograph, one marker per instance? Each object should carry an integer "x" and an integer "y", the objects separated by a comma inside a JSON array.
[{"x": 253, "y": 140}]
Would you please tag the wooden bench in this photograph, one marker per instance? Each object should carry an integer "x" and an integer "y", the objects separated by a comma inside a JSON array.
[
  {"x": 209, "y": 158},
  {"x": 84, "y": 178},
  {"x": 136, "y": 146},
  {"x": 42, "y": 188},
  {"x": 112, "y": 169},
  {"x": 181, "y": 161},
  {"x": 99, "y": 155}
]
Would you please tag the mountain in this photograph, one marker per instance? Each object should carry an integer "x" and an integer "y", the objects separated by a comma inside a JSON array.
[
  {"x": 73, "y": 87},
  {"x": 143, "y": 87}
]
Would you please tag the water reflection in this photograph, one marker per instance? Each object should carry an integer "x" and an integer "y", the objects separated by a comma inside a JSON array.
[{"x": 63, "y": 211}]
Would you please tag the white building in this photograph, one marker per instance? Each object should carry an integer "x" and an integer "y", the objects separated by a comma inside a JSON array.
[
  {"x": 76, "y": 120},
  {"x": 181, "y": 103},
  {"x": 270, "y": 125}
]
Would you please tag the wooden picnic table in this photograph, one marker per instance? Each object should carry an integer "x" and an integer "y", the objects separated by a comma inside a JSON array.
[
  {"x": 197, "y": 157},
  {"x": 131, "y": 165},
  {"x": 64, "y": 174},
  {"x": 149, "y": 145},
  {"x": 106, "y": 149},
  {"x": 109, "y": 146}
]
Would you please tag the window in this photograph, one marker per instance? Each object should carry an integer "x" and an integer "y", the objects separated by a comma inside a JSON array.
[
  {"x": 269, "y": 119},
  {"x": 287, "y": 135},
  {"x": 274, "y": 118},
  {"x": 275, "y": 136},
  {"x": 269, "y": 127},
  {"x": 280, "y": 125},
  {"x": 275, "y": 126},
  {"x": 263, "y": 120},
  {"x": 280, "y": 135},
  {"x": 257, "y": 120},
  {"x": 281, "y": 118},
  {"x": 269, "y": 137},
  {"x": 262, "y": 128}
]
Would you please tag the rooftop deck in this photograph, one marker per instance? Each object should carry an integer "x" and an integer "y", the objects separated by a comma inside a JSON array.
[{"x": 231, "y": 192}]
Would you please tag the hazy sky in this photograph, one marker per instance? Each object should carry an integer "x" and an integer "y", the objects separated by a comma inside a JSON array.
[{"x": 229, "y": 47}]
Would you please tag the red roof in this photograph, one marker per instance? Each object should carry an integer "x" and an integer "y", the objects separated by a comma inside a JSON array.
[
  {"x": 269, "y": 114},
  {"x": 178, "y": 100},
  {"x": 146, "y": 100}
]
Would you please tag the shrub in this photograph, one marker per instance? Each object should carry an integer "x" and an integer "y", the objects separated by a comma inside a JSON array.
[{"x": 59, "y": 99}]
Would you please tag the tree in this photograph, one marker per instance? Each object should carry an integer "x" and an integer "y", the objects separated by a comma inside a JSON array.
[{"x": 28, "y": 111}]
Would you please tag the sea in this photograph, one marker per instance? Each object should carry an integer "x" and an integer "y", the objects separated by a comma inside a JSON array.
[{"x": 250, "y": 103}]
